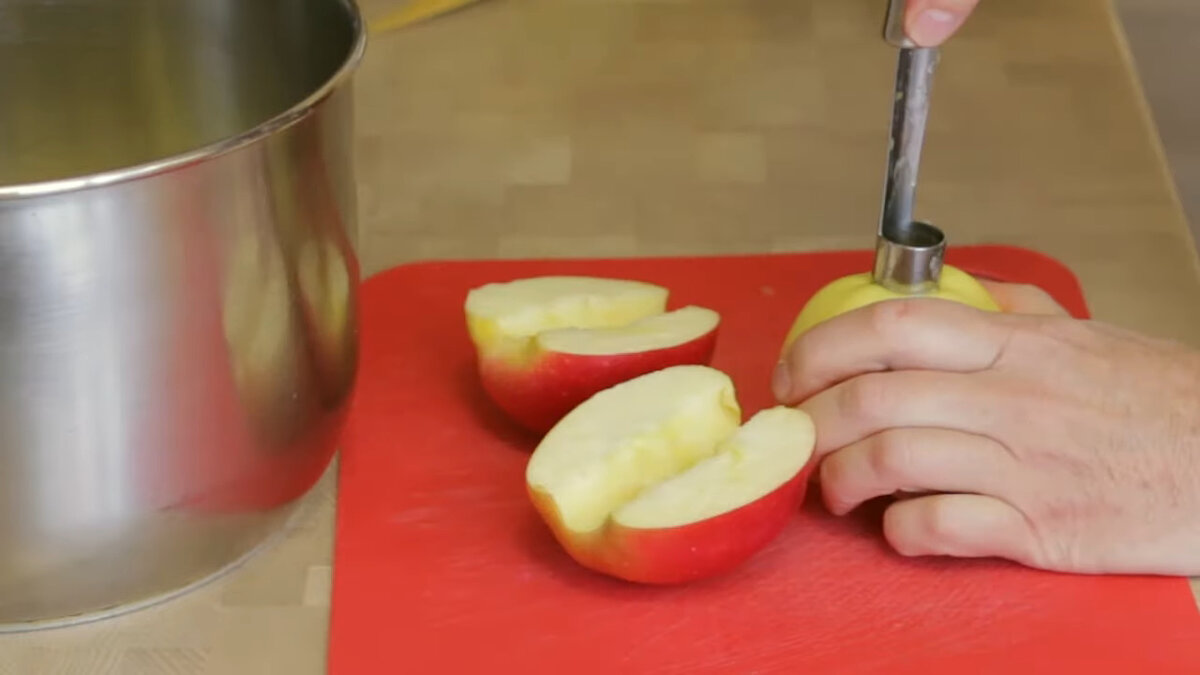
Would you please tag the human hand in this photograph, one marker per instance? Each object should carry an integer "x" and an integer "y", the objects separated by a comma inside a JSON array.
[
  {"x": 1057, "y": 443},
  {"x": 929, "y": 23}
]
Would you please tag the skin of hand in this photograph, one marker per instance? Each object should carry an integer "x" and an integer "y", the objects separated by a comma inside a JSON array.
[
  {"x": 1057, "y": 443},
  {"x": 929, "y": 23}
]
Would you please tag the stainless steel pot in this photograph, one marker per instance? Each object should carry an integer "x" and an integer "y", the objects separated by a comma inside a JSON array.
[{"x": 178, "y": 330}]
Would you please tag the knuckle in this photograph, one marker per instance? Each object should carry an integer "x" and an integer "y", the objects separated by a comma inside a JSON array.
[
  {"x": 893, "y": 455},
  {"x": 1029, "y": 341},
  {"x": 906, "y": 529},
  {"x": 937, "y": 522},
  {"x": 864, "y": 398},
  {"x": 890, "y": 317}
]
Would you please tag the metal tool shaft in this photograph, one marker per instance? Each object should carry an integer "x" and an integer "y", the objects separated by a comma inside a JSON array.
[
  {"x": 908, "y": 253},
  {"x": 910, "y": 111}
]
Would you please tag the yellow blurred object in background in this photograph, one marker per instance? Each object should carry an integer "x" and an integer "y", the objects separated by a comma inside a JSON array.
[{"x": 415, "y": 11}]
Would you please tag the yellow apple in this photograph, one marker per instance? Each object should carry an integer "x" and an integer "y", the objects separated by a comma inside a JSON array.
[{"x": 859, "y": 290}]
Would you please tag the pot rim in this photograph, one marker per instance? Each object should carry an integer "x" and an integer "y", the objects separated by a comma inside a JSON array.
[{"x": 269, "y": 127}]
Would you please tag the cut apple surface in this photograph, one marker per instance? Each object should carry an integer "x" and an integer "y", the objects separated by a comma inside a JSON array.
[
  {"x": 500, "y": 314},
  {"x": 649, "y": 334},
  {"x": 655, "y": 480},
  {"x": 546, "y": 344}
]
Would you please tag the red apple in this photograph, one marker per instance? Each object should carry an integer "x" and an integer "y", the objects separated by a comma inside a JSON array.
[
  {"x": 546, "y": 344},
  {"x": 655, "y": 480}
]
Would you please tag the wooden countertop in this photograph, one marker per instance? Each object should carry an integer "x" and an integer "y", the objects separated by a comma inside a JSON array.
[{"x": 524, "y": 128}]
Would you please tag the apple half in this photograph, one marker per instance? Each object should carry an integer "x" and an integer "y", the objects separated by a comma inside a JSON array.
[
  {"x": 656, "y": 481},
  {"x": 546, "y": 344}
]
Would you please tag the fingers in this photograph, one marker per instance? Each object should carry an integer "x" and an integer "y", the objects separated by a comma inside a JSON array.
[
  {"x": 929, "y": 23},
  {"x": 912, "y": 460},
  {"x": 853, "y": 410},
  {"x": 1023, "y": 299},
  {"x": 963, "y": 526},
  {"x": 890, "y": 335}
]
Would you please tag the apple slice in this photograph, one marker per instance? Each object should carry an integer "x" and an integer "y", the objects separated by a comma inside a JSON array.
[
  {"x": 654, "y": 480},
  {"x": 546, "y": 344}
]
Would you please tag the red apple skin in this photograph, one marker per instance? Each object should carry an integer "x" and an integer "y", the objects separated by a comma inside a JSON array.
[
  {"x": 684, "y": 554},
  {"x": 539, "y": 393}
]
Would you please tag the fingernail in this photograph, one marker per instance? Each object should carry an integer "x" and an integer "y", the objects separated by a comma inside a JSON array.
[
  {"x": 932, "y": 26},
  {"x": 781, "y": 382}
]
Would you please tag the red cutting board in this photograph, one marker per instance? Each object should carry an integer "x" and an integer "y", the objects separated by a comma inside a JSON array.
[{"x": 441, "y": 565}]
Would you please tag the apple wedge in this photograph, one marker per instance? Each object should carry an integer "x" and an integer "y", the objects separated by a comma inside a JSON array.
[
  {"x": 546, "y": 344},
  {"x": 655, "y": 480}
]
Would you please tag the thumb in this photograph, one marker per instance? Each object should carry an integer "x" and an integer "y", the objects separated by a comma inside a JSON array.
[
  {"x": 929, "y": 23},
  {"x": 960, "y": 525}
]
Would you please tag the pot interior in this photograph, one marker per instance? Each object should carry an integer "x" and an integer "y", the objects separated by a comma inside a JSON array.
[{"x": 88, "y": 86}]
